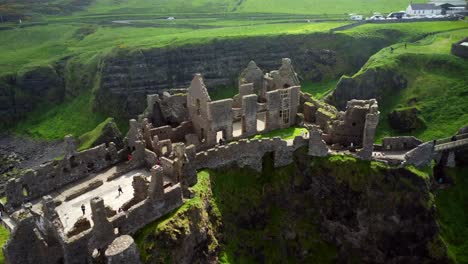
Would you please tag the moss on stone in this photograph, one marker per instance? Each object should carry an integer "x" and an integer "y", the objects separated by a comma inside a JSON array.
[
  {"x": 91, "y": 138},
  {"x": 327, "y": 113}
]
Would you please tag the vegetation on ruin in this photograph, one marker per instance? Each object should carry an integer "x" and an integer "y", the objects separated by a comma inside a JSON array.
[
  {"x": 452, "y": 204},
  {"x": 285, "y": 133},
  {"x": 4, "y": 234},
  {"x": 437, "y": 85},
  {"x": 87, "y": 139}
]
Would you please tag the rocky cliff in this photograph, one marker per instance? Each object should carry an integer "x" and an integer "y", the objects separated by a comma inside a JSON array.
[
  {"x": 20, "y": 93},
  {"x": 123, "y": 77},
  {"x": 317, "y": 210},
  {"x": 127, "y": 75},
  {"x": 372, "y": 83}
]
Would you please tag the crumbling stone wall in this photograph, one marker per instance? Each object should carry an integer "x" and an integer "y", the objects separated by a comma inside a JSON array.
[
  {"x": 248, "y": 153},
  {"x": 55, "y": 174},
  {"x": 400, "y": 143},
  {"x": 176, "y": 134},
  {"x": 166, "y": 110}
]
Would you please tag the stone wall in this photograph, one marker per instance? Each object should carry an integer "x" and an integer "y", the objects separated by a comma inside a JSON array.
[
  {"x": 175, "y": 134},
  {"x": 39, "y": 238},
  {"x": 55, "y": 174},
  {"x": 249, "y": 153},
  {"x": 400, "y": 143}
]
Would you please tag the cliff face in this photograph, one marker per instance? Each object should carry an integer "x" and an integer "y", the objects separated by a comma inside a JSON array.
[
  {"x": 373, "y": 83},
  {"x": 21, "y": 93},
  {"x": 123, "y": 77},
  {"x": 127, "y": 76},
  {"x": 325, "y": 210}
]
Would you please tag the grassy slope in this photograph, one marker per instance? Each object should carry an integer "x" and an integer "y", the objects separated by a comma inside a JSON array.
[
  {"x": 87, "y": 139},
  {"x": 452, "y": 208},
  {"x": 319, "y": 90},
  {"x": 437, "y": 85},
  {"x": 53, "y": 122}
]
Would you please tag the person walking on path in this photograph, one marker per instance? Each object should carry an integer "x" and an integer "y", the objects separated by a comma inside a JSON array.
[
  {"x": 120, "y": 190},
  {"x": 83, "y": 209}
]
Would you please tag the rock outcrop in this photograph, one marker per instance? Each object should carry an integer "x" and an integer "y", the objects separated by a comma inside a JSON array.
[
  {"x": 21, "y": 93},
  {"x": 372, "y": 83},
  {"x": 329, "y": 209},
  {"x": 405, "y": 120}
]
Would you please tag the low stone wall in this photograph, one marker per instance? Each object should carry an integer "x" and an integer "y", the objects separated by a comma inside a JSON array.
[
  {"x": 91, "y": 186},
  {"x": 400, "y": 143},
  {"x": 249, "y": 153},
  {"x": 54, "y": 175}
]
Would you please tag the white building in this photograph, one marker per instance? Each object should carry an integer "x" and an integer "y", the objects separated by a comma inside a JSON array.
[{"x": 423, "y": 10}]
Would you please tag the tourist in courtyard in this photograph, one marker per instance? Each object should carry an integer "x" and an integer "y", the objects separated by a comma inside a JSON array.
[
  {"x": 120, "y": 190},
  {"x": 83, "y": 209}
]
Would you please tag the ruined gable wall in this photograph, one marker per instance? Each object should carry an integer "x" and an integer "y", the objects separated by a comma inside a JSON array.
[{"x": 221, "y": 116}]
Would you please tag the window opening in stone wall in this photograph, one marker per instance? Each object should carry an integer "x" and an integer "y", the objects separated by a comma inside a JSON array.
[
  {"x": 237, "y": 128},
  {"x": 198, "y": 107},
  {"x": 261, "y": 121},
  {"x": 202, "y": 135},
  {"x": 221, "y": 137},
  {"x": 73, "y": 163},
  {"x": 25, "y": 191},
  {"x": 284, "y": 115}
]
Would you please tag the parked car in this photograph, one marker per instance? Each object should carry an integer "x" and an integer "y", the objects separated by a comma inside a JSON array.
[
  {"x": 357, "y": 17},
  {"x": 396, "y": 15},
  {"x": 376, "y": 17}
]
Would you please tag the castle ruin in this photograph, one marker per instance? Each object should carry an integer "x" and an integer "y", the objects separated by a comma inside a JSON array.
[{"x": 67, "y": 211}]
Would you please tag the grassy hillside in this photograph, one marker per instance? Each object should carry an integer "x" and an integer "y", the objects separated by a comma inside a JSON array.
[
  {"x": 437, "y": 85},
  {"x": 47, "y": 43}
]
